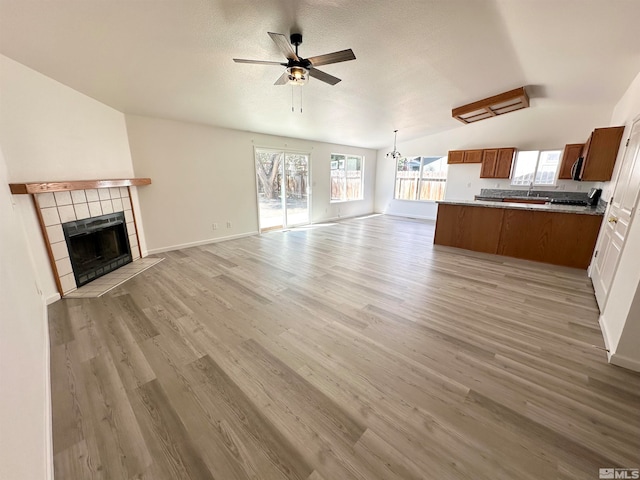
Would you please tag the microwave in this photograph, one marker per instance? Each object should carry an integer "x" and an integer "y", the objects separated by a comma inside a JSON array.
[{"x": 576, "y": 169}]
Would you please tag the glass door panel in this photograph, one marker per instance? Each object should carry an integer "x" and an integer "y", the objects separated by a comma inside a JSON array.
[
  {"x": 269, "y": 178},
  {"x": 296, "y": 168},
  {"x": 283, "y": 188}
]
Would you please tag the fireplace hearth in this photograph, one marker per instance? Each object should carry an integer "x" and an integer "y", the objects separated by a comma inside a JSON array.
[{"x": 97, "y": 246}]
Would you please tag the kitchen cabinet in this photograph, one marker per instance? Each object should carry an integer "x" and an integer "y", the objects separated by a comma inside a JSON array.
[
  {"x": 600, "y": 154},
  {"x": 570, "y": 155},
  {"x": 473, "y": 156},
  {"x": 471, "y": 228},
  {"x": 455, "y": 156},
  {"x": 496, "y": 162},
  {"x": 489, "y": 163},
  {"x": 465, "y": 156},
  {"x": 558, "y": 238}
]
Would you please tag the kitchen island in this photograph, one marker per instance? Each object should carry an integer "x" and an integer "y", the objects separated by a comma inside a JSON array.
[{"x": 549, "y": 233}]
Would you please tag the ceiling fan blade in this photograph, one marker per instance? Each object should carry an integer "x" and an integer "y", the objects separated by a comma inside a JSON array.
[
  {"x": 283, "y": 44},
  {"x": 335, "y": 57},
  {"x": 260, "y": 62},
  {"x": 323, "y": 77},
  {"x": 284, "y": 78}
]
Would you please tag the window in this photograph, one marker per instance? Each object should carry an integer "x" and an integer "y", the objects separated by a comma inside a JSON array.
[
  {"x": 539, "y": 167},
  {"x": 346, "y": 177},
  {"x": 421, "y": 178}
]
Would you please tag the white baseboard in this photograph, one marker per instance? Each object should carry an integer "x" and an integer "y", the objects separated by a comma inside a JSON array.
[
  {"x": 48, "y": 414},
  {"x": 52, "y": 298},
  {"x": 616, "y": 358},
  {"x": 198, "y": 243},
  {"x": 625, "y": 362},
  {"x": 605, "y": 336}
]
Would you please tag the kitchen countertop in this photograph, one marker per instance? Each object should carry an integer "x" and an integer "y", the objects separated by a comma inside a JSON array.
[{"x": 547, "y": 207}]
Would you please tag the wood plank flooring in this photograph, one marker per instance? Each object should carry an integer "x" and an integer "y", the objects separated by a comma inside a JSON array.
[{"x": 354, "y": 350}]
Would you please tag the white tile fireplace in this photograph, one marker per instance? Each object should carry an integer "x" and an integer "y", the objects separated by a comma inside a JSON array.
[{"x": 70, "y": 202}]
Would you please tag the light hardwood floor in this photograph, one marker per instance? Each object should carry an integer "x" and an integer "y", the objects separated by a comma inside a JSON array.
[{"x": 355, "y": 350}]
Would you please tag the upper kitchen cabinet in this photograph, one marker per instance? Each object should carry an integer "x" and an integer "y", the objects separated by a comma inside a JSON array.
[
  {"x": 456, "y": 156},
  {"x": 570, "y": 155},
  {"x": 496, "y": 163},
  {"x": 599, "y": 154},
  {"x": 505, "y": 161},
  {"x": 465, "y": 156}
]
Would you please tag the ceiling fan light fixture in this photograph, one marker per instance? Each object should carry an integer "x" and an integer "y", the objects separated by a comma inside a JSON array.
[{"x": 298, "y": 75}]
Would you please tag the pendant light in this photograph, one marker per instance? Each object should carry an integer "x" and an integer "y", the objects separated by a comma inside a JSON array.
[{"x": 395, "y": 154}]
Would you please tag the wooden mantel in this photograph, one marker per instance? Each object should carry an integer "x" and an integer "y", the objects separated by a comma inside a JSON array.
[{"x": 42, "y": 187}]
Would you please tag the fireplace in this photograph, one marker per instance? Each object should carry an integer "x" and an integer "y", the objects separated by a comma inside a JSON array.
[{"x": 97, "y": 246}]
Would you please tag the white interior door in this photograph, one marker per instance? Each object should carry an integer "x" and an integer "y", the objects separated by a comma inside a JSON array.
[{"x": 616, "y": 224}]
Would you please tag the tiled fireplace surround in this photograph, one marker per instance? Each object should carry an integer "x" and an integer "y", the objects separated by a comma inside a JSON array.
[{"x": 56, "y": 208}]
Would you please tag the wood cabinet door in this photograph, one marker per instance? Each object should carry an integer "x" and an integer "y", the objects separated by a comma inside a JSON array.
[
  {"x": 473, "y": 156},
  {"x": 572, "y": 152},
  {"x": 489, "y": 162},
  {"x": 601, "y": 154},
  {"x": 455, "y": 156},
  {"x": 504, "y": 163}
]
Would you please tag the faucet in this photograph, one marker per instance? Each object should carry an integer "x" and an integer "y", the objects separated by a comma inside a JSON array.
[{"x": 530, "y": 189}]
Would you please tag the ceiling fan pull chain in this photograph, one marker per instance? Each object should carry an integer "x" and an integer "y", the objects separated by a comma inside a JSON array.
[
  {"x": 292, "y": 110},
  {"x": 300, "y": 100}
]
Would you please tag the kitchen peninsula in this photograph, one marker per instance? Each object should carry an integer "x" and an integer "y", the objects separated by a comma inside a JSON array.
[{"x": 557, "y": 234}]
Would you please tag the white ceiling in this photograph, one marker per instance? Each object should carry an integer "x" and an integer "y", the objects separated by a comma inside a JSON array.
[{"x": 416, "y": 59}]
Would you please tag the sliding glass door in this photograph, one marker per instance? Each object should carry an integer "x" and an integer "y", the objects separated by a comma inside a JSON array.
[{"x": 283, "y": 188}]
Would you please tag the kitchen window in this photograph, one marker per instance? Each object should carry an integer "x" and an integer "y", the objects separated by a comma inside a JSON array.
[
  {"x": 536, "y": 167},
  {"x": 346, "y": 177},
  {"x": 421, "y": 178}
]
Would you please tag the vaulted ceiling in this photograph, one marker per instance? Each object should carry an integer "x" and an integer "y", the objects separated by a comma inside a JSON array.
[{"x": 416, "y": 59}]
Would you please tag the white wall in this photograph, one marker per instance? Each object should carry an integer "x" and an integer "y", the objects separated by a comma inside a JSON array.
[
  {"x": 25, "y": 415},
  {"x": 621, "y": 316},
  {"x": 51, "y": 132},
  {"x": 534, "y": 128},
  {"x": 203, "y": 175}
]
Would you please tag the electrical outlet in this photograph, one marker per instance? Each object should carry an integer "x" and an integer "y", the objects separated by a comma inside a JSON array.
[
  {"x": 228, "y": 223},
  {"x": 214, "y": 226}
]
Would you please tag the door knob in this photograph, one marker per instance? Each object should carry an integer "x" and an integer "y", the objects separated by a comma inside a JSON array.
[{"x": 613, "y": 219}]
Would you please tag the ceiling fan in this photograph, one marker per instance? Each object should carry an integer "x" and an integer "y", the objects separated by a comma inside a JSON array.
[{"x": 299, "y": 69}]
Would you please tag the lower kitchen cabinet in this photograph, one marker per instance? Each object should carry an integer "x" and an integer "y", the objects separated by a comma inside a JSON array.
[{"x": 558, "y": 238}]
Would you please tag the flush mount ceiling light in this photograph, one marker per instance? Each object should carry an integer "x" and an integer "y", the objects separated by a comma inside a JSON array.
[
  {"x": 395, "y": 154},
  {"x": 493, "y": 106}
]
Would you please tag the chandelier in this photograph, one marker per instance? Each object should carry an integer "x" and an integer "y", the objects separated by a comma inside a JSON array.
[{"x": 395, "y": 154}]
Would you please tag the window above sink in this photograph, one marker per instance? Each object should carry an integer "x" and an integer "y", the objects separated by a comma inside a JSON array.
[{"x": 536, "y": 167}]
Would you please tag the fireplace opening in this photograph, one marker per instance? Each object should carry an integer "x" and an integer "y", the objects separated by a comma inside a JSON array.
[{"x": 97, "y": 246}]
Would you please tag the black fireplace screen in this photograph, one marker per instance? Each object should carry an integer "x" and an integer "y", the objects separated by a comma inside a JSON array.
[{"x": 97, "y": 246}]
